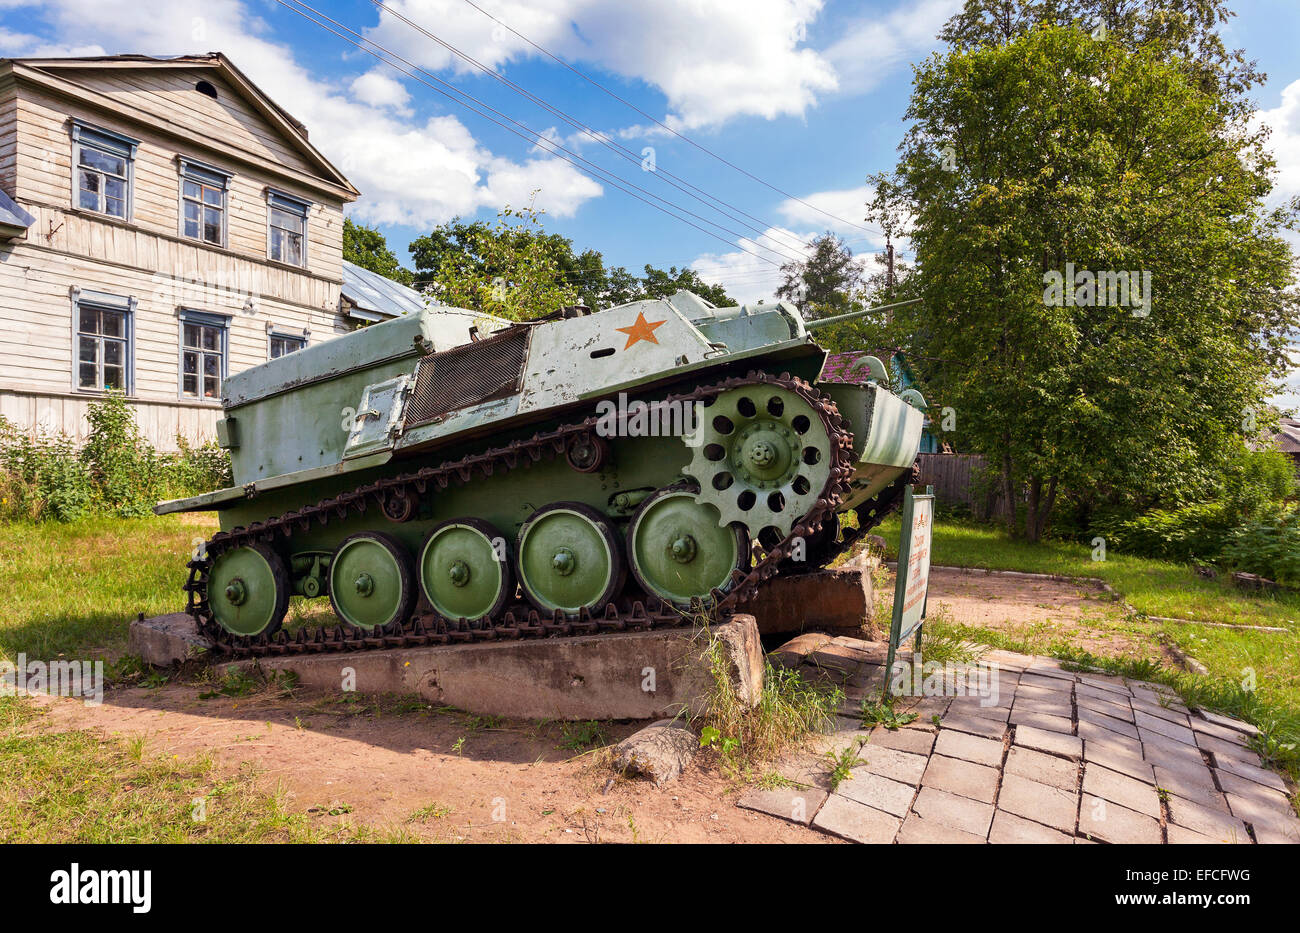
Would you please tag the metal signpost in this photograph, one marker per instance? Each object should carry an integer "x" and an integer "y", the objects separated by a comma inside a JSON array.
[{"x": 912, "y": 580}]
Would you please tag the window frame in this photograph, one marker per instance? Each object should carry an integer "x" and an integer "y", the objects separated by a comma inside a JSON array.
[
  {"x": 300, "y": 207},
  {"x": 274, "y": 335},
  {"x": 196, "y": 318},
  {"x": 192, "y": 170},
  {"x": 103, "y": 301},
  {"x": 88, "y": 136}
]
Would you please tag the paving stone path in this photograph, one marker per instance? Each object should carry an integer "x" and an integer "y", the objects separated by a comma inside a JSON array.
[{"x": 1054, "y": 757}]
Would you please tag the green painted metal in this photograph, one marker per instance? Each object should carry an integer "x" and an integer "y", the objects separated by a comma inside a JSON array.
[
  {"x": 761, "y": 457},
  {"x": 247, "y": 590},
  {"x": 679, "y": 552},
  {"x": 293, "y": 429},
  {"x": 464, "y": 570},
  {"x": 822, "y": 323},
  {"x": 369, "y": 582},
  {"x": 568, "y": 559}
]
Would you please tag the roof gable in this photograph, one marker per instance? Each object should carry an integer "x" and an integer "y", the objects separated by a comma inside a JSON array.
[{"x": 240, "y": 114}]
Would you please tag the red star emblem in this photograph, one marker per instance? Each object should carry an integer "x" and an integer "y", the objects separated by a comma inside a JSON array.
[{"x": 641, "y": 330}]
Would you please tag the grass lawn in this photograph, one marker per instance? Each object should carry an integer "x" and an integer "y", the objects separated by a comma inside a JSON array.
[
  {"x": 1252, "y": 674},
  {"x": 83, "y": 787},
  {"x": 74, "y": 589}
]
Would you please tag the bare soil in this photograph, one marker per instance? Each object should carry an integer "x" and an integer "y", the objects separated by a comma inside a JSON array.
[
  {"x": 1037, "y": 609},
  {"x": 380, "y": 761},
  {"x": 393, "y": 764}
]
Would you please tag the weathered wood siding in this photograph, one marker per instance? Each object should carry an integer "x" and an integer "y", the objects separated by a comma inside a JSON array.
[{"x": 145, "y": 257}]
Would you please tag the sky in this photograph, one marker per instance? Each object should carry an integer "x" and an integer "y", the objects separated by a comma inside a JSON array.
[{"x": 774, "y": 111}]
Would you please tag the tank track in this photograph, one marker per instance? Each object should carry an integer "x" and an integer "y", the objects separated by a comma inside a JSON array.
[{"x": 426, "y": 628}]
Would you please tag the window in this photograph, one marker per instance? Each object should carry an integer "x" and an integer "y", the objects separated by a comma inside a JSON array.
[
  {"x": 203, "y": 202},
  {"x": 286, "y": 228},
  {"x": 102, "y": 167},
  {"x": 103, "y": 341},
  {"x": 284, "y": 344},
  {"x": 203, "y": 354}
]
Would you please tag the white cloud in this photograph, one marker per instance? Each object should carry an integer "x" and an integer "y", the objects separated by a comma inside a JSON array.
[
  {"x": 1284, "y": 122},
  {"x": 747, "y": 278},
  {"x": 874, "y": 45},
  {"x": 846, "y": 205},
  {"x": 712, "y": 61},
  {"x": 379, "y": 88},
  {"x": 418, "y": 172}
]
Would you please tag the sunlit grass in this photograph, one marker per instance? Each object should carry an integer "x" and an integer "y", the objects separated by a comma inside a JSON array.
[
  {"x": 74, "y": 588},
  {"x": 80, "y": 787}
]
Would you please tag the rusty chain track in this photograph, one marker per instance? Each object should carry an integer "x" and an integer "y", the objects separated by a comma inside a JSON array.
[{"x": 426, "y": 628}]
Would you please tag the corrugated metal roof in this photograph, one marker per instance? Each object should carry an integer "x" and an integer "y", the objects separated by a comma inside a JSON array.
[
  {"x": 11, "y": 215},
  {"x": 375, "y": 297}
]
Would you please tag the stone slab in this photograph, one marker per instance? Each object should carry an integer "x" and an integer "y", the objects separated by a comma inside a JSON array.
[
  {"x": 1101, "y": 819},
  {"x": 1040, "y": 803},
  {"x": 798, "y": 805},
  {"x": 964, "y": 778},
  {"x": 851, "y": 820},
  {"x": 1009, "y": 829},
  {"x": 166, "y": 640},
  {"x": 585, "y": 677}
]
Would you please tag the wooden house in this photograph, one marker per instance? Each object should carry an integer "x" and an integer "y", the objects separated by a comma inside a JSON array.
[{"x": 163, "y": 224}]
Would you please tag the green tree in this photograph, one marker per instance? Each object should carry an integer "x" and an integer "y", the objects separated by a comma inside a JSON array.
[
  {"x": 511, "y": 268},
  {"x": 658, "y": 283},
  {"x": 1044, "y": 146},
  {"x": 516, "y": 269},
  {"x": 828, "y": 281},
  {"x": 366, "y": 247}
]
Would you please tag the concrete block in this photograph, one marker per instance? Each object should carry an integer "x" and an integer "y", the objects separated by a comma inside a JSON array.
[
  {"x": 165, "y": 640},
  {"x": 586, "y": 677},
  {"x": 838, "y": 601}
]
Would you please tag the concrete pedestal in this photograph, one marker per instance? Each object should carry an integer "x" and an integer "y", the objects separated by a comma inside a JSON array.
[{"x": 630, "y": 675}]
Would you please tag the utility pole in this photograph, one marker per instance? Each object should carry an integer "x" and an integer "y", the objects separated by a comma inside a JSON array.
[{"x": 889, "y": 275}]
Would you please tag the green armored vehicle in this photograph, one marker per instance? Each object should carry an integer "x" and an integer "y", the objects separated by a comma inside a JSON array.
[{"x": 446, "y": 476}]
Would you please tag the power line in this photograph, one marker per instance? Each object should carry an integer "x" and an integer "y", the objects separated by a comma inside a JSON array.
[
  {"x": 702, "y": 148},
  {"x": 548, "y": 145},
  {"x": 617, "y": 148}
]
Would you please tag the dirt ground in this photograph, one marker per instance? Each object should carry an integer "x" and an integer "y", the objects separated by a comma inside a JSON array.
[
  {"x": 381, "y": 762},
  {"x": 1036, "y": 608}
]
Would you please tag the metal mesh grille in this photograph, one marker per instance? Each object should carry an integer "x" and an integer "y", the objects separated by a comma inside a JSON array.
[{"x": 466, "y": 375}]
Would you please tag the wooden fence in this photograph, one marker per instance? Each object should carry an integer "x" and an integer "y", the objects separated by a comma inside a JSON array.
[{"x": 963, "y": 478}]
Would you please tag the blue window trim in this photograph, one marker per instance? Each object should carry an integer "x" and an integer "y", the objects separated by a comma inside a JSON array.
[
  {"x": 294, "y": 205},
  {"x": 95, "y": 137},
  {"x": 100, "y": 138},
  {"x": 126, "y": 304},
  {"x": 209, "y": 319},
  {"x": 194, "y": 170},
  {"x": 202, "y": 171},
  {"x": 287, "y": 202},
  {"x": 278, "y": 334}
]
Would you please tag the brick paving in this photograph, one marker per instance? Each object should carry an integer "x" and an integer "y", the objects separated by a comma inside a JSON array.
[{"x": 1056, "y": 757}]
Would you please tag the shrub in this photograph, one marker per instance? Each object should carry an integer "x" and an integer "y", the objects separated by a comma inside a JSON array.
[
  {"x": 117, "y": 471},
  {"x": 1269, "y": 547},
  {"x": 1197, "y": 531},
  {"x": 41, "y": 476}
]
